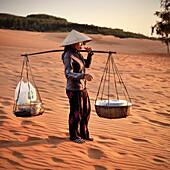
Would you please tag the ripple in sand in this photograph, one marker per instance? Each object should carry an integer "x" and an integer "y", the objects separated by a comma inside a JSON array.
[
  {"x": 6, "y": 103},
  {"x": 13, "y": 131},
  {"x": 2, "y": 112},
  {"x": 136, "y": 77},
  {"x": 99, "y": 167},
  {"x": 122, "y": 153},
  {"x": 135, "y": 122},
  {"x": 26, "y": 122},
  {"x": 140, "y": 140},
  {"x": 158, "y": 160},
  {"x": 164, "y": 114},
  {"x": 13, "y": 162},
  {"x": 57, "y": 160},
  {"x": 95, "y": 153},
  {"x": 135, "y": 105},
  {"x": 103, "y": 137},
  {"x": 145, "y": 110},
  {"x": 159, "y": 123},
  {"x": 34, "y": 139},
  {"x": 158, "y": 92},
  {"x": 4, "y": 141},
  {"x": 4, "y": 117}
]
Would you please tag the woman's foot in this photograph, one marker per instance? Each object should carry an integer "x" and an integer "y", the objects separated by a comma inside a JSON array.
[
  {"x": 90, "y": 139},
  {"x": 78, "y": 140}
]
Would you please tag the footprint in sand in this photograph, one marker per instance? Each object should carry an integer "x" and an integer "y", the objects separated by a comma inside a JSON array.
[
  {"x": 4, "y": 123},
  {"x": 55, "y": 140},
  {"x": 18, "y": 154},
  {"x": 95, "y": 153}
]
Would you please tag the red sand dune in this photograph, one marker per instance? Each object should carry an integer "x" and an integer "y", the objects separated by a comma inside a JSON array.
[{"x": 140, "y": 141}]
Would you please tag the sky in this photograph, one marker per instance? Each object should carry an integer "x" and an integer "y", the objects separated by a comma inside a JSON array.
[{"x": 130, "y": 15}]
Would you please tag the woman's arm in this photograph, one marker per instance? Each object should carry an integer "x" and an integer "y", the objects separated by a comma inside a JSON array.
[
  {"x": 69, "y": 69},
  {"x": 88, "y": 60},
  {"x": 89, "y": 57}
]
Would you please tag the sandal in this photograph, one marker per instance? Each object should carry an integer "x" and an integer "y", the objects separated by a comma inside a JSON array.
[{"x": 78, "y": 140}]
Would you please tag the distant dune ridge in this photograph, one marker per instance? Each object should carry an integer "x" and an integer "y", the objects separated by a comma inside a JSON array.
[
  {"x": 48, "y": 23},
  {"x": 140, "y": 141}
]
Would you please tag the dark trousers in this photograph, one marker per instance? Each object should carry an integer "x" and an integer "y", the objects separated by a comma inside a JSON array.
[{"x": 79, "y": 113}]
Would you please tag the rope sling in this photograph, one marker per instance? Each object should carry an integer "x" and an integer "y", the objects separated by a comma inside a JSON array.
[
  {"x": 33, "y": 108},
  {"x": 105, "y": 106}
]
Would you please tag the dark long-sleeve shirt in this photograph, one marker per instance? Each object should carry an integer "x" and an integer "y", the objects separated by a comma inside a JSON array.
[{"x": 75, "y": 66}]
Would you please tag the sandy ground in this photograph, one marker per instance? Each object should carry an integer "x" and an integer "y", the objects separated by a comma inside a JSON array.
[{"x": 140, "y": 141}]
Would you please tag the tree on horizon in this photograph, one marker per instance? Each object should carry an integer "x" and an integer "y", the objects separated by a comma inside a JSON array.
[{"x": 163, "y": 27}]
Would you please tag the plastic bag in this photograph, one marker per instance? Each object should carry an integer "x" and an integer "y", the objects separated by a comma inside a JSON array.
[{"x": 27, "y": 93}]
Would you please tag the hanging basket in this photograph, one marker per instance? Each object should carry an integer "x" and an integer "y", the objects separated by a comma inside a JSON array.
[
  {"x": 28, "y": 102},
  {"x": 29, "y": 110},
  {"x": 112, "y": 108}
]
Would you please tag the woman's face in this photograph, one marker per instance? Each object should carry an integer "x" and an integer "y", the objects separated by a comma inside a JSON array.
[{"x": 78, "y": 46}]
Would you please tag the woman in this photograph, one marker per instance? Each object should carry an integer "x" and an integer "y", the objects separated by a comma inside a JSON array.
[{"x": 76, "y": 85}]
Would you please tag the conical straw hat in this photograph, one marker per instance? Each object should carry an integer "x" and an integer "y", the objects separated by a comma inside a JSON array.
[{"x": 75, "y": 37}]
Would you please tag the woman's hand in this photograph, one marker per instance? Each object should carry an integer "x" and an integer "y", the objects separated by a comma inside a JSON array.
[
  {"x": 88, "y": 49},
  {"x": 88, "y": 77}
]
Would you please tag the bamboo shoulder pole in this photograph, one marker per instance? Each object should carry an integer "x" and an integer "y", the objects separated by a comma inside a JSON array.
[{"x": 43, "y": 52}]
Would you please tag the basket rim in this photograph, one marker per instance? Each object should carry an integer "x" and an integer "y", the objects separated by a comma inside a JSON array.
[{"x": 112, "y": 103}]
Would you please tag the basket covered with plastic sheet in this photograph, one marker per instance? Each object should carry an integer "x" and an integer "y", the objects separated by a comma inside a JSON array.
[
  {"x": 28, "y": 102},
  {"x": 113, "y": 109},
  {"x": 112, "y": 100},
  {"x": 29, "y": 110}
]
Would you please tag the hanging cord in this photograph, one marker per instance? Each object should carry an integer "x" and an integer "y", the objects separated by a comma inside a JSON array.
[
  {"x": 109, "y": 79},
  {"x": 29, "y": 95},
  {"x": 115, "y": 79},
  {"x": 34, "y": 83},
  {"x": 101, "y": 80},
  {"x": 121, "y": 82},
  {"x": 20, "y": 84},
  {"x": 104, "y": 82},
  {"x": 120, "y": 79},
  {"x": 109, "y": 83}
]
